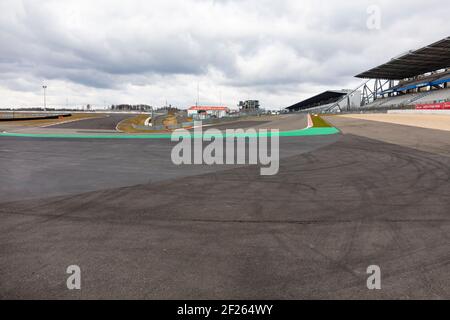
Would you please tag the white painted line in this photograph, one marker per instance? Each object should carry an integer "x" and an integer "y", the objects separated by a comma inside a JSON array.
[
  {"x": 310, "y": 122},
  {"x": 117, "y": 126}
]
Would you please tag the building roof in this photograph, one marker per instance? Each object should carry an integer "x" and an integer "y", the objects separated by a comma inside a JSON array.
[
  {"x": 209, "y": 108},
  {"x": 322, "y": 98},
  {"x": 433, "y": 57}
]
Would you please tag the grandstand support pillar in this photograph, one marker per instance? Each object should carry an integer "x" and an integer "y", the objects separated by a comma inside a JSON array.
[
  {"x": 367, "y": 93},
  {"x": 378, "y": 88},
  {"x": 371, "y": 92},
  {"x": 375, "y": 88},
  {"x": 391, "y": 85},
  {"x": 346, "y": 97}
]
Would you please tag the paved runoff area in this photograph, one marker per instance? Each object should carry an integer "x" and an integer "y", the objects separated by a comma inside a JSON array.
[
  {"x": 140, "y": 227},
  {"x": 429, "y": 121}
]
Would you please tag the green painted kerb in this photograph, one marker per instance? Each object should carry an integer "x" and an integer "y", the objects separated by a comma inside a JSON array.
[{"x": 293, "y": 133}]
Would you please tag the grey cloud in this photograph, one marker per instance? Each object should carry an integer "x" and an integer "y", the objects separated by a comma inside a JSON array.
[{"x": 270, "y": 47}]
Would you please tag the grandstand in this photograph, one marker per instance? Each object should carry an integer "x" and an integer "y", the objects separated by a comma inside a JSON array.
[
  {"x": 417, "y": 77},
  {"x": 412, "y": 99},
  {"x": 345, "y": 99}
]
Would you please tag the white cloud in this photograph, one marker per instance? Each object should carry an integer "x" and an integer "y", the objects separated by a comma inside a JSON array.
[{"x": 102, "y": 51}]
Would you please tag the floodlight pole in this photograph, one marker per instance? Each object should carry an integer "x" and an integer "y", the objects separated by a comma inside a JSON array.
[
  {"x": 198, "y": 93},
  {"x": 45, "y": 98},
  {"x": 152, "y": 119}
]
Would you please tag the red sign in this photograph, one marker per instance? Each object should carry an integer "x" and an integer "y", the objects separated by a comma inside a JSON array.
[{"x": 434, "y": 106}]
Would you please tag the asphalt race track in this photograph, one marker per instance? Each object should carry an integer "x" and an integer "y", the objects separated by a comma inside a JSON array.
[
  {"x": 140, "y": 227},
  {"x": 102, "y": 123},
  {"x": 236, "y": 125}
]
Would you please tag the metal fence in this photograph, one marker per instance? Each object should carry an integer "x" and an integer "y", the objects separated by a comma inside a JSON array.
[{"x": 30, "y": 115}]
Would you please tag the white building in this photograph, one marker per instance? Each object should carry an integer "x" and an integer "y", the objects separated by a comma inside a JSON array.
[{"x": 207, "y": 111}]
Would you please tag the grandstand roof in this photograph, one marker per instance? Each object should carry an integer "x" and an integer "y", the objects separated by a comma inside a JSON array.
[
  {"x": 324, "y": 97},
  {"x": 430, "y": 58}
]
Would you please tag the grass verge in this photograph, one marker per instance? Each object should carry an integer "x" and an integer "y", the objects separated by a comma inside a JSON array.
[{"x": 318, "y": 122}]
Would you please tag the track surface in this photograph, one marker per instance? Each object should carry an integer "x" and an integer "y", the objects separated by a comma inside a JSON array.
[
  {"x": 37, "y": 167},
  {"x": 236, "y": 125},
  {"x": 338, "y": 205},
  {"x": 106, "y": 123}
]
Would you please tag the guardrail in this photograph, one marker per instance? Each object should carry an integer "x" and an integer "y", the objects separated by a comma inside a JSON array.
[{"x": 31, "y": 116}]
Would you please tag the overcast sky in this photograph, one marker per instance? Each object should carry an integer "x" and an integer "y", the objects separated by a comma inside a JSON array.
[{"x": 109, "y": 52}]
